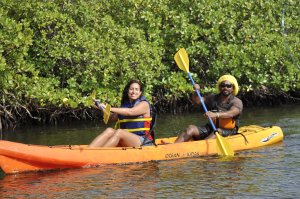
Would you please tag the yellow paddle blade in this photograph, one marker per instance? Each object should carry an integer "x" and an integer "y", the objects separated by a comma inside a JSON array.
[
  {"x": 93, "y": 95},
  {"x": 106, "y": 113},
  {"x": 223, "y": 146},
  {"x": 182, "y": 60},
  {"x": 90, "y": 99}
]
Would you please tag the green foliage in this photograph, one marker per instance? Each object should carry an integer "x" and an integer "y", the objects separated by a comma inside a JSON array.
[{"x": 57, "y": 50}]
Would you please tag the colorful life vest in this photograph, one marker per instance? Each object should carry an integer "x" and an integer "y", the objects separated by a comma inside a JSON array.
[
  {"x": 139, "y": 125},
  {"x": 225, "y": 123}
]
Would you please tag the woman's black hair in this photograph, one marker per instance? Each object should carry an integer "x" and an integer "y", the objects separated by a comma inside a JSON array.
[{"x": 126, "y": 89}]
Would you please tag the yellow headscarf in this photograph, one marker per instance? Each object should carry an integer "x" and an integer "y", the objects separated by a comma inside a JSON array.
[{"x": 232, "y": 80}]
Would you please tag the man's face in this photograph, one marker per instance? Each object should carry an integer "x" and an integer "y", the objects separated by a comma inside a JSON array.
[{"x": 226, "y": 88}]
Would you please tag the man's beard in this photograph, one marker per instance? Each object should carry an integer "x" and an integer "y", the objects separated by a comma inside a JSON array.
[{"x": 225, "y": 94}]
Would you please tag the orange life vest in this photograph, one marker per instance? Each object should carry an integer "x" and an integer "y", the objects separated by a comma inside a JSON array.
[{"x": 225, "y": 123}]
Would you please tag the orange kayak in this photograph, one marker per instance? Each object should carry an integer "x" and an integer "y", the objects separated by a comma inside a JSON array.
[{"x": 18, "y": 157}]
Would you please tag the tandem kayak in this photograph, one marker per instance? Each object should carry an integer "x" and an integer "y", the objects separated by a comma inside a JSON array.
[{"x": 18, "y": 157}]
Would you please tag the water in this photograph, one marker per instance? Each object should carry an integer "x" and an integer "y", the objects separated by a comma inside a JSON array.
[{"x": 266, "y": 172}]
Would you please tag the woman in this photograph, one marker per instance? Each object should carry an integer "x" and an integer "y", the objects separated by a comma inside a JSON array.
[{"x": 133, "y": 119}]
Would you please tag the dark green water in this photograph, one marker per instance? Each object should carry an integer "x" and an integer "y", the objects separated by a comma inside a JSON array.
[{"x": 268, "y": 172}]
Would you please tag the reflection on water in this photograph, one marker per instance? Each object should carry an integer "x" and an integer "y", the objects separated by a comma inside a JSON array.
[
  {"x": 128, "y": 181},
  {"x": 266, "y": 172},
  {"x": 202, "y": 177}
]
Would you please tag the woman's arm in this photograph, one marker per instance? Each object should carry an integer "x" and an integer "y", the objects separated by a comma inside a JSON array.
[{"x": 140, "y": 109}]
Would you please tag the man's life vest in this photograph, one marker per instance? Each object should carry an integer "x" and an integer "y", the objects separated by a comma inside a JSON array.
[
  {"x": 139, "y": 125},
  {"x": 224, "y": 123}
]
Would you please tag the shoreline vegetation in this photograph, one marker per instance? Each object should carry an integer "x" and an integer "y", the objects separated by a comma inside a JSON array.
[
  {"x": 19, "y": 116},
  {"x": 55, "y": 54}
]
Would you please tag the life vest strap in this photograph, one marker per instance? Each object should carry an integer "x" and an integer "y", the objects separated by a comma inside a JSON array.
[
  {"x": 133, "y": 120},
  {"x": 138, "y": 129}
]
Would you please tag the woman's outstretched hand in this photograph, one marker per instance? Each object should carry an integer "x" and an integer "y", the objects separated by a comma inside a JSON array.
[{"x": 99, "y": 105}]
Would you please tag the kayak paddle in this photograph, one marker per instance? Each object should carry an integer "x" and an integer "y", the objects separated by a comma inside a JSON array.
[
  {"x": 106, "y": 110},
  {"x": 223, "y": 147}
]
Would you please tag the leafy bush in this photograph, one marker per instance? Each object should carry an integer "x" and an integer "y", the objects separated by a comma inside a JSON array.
[{"x": 57, "y": 50}]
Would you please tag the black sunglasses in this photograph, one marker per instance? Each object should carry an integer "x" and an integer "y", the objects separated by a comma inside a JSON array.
[{"x": 226, "y": 85}]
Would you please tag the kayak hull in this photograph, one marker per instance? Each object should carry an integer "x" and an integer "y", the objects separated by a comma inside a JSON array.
[{"x": 18, "y": 157}]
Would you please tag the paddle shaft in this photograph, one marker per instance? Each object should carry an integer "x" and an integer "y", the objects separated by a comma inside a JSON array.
[{"x": 202, "y": 102}]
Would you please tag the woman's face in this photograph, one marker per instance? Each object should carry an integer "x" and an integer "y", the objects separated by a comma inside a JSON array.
[{"x": 134, "y": 91}]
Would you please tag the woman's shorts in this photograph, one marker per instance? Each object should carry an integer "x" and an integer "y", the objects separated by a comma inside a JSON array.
[{"x": 145, "y": 141}]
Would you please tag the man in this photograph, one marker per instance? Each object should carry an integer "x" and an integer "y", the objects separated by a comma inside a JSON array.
[{"x": 223, "y": 108}]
